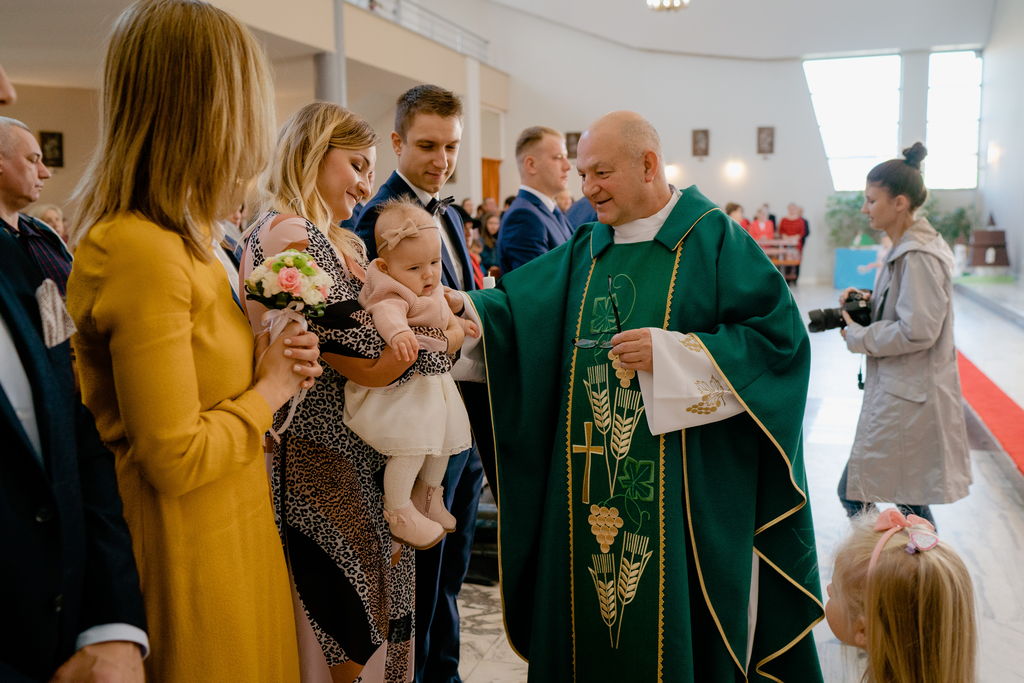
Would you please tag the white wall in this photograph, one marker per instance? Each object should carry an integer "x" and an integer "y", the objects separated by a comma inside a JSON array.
[
  {"x": 71, "y": 111},
  {"x": 566, "y": 79},
  {"x": 1002, "y": 113}
]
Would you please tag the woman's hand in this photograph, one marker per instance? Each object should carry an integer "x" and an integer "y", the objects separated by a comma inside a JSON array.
[
  {"x": 845, "y": 294},
  {"x": 287, "y": 365}
]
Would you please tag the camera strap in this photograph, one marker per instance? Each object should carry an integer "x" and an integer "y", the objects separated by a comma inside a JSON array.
[{"x": 860, "y": 376}]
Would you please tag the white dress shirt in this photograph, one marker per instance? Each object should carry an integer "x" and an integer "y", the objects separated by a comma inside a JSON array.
[{"x": 446, "y": 240}]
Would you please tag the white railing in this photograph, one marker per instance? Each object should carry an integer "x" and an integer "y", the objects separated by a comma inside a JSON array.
[{"x": 418, "y": 18}]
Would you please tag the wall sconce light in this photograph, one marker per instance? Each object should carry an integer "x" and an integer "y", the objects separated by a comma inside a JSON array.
[{"x": 735, "y": 170}]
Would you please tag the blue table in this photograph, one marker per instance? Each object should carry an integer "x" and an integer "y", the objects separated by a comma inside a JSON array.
[{"x": 847, "y": 261}]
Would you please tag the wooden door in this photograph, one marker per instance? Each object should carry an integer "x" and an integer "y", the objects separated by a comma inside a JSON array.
[{"x": 491, "y": 178}]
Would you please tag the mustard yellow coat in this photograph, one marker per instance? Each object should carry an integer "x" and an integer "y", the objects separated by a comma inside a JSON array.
[{"x": 165, "y": 364}]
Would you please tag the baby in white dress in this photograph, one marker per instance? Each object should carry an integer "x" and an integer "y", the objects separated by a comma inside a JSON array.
[{"x": 422, "y": 422}]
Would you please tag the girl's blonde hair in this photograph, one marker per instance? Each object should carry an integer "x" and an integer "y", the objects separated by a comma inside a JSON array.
[
  {"x": 918, "y": 608},
  {"x": 289, "y": 185},
  {"x": 186, "y": 120}
]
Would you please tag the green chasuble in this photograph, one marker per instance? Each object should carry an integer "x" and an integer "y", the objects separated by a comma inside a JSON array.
[{"x": 627, "y": 556}]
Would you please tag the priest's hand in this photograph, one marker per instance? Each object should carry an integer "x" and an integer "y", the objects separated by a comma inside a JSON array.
[
  {"x": 455, "y": 300},
  {"x": 634, "y": 349}
]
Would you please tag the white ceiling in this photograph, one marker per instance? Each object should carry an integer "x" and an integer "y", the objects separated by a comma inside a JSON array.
[
  {"x": 776, "y": 29},
  {"x": 60, "y": 42}
]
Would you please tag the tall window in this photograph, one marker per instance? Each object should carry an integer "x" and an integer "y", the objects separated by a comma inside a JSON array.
[
  {"x": 954, "y": 107},
  {"x": 857, "y": 103}
]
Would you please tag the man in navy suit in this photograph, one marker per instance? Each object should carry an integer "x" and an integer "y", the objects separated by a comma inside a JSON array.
[
  {"x": 581, "y": 211},
  {"x": 68, "y": 582},
  {"x": 533, "y": 224},
  {"x": 428, "y": 131}
]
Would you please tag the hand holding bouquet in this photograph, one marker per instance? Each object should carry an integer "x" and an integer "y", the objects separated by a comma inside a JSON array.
[{"x": 293, "y": 287}]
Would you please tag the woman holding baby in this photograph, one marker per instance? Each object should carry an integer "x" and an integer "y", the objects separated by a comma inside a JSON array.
[{"x": 354, "y": 582}]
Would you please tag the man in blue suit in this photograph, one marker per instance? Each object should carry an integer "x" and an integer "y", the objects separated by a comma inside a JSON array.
[
  {"x": 428, "y": 131},
  {"x": 581, "y": 211},
  {"x": 68, "y": 583},
  {"x": 533, "y": 224}
]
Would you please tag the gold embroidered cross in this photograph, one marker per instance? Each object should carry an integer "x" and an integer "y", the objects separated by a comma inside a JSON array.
[{"x": 589, "y": 449}]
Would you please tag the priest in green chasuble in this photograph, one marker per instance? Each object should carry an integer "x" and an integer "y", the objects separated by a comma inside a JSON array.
[{"x": 647, "y": 382}]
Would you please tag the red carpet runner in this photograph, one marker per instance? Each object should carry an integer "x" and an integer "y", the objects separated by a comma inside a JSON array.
[{"x": 1003, "y": 417}]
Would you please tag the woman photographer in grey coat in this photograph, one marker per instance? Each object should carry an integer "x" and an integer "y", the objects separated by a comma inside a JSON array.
[{"x": 911, "y": 443}]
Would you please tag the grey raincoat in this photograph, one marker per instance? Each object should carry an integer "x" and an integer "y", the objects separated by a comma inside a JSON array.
[{"x": 911, "y": 443}]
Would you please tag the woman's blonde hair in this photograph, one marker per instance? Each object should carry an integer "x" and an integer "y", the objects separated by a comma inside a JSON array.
[
  {"x": 918, "y": 608},
  {"x": 186, "y": 121},
  {"x": 289, "y": 185}
]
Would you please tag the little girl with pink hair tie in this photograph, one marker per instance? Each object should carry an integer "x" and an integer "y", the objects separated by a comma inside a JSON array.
[{"x": 904, "y": 596}]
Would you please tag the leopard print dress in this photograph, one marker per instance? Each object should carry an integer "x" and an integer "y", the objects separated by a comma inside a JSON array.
[{"x": 328, "y": 491}]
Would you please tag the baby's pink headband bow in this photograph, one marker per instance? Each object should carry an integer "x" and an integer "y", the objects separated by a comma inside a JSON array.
[
  {"x": 389, "y": 239},
  {"x": 892, "y": 521}
]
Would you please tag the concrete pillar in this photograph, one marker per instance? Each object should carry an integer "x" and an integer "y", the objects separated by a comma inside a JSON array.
[
  {"x": 470, "y": 152},
  {"x": 331, "y": 80},
  {"x": 914, "y": 100}
]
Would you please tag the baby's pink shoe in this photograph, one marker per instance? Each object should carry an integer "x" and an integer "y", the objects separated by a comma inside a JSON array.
[
  {"x": 412, "y": 528},
  {"x": 430, "y": 501}
]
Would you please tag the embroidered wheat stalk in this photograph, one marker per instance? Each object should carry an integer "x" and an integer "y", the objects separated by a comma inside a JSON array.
[
  {"x": 631, "y": 567},
  {"x": 597, "y": 395},
  {"x": 626, "y": 417},
  {"x": 603, "y": 574}
]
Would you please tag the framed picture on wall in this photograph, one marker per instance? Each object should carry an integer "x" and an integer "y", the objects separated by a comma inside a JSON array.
[
  {"x": 572, "y": 140},
  {"x": 52, "y": 145},
  {"x": 701, "y": 142},
  {"x": 766, "y": 140}
]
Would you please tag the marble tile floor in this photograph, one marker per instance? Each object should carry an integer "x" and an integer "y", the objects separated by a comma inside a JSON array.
[{"x": 987, "y": 527}]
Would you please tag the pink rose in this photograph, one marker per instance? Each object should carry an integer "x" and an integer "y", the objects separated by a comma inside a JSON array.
[
  {"x": 323, "y": 291},
  {"x": 290, "y": 280}
]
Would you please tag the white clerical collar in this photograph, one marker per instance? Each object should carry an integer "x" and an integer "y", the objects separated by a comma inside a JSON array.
[
  {"x": 644, "y": 229},
  {"x": 548, "y": 201},
  {"x": 421, "y": 194}
]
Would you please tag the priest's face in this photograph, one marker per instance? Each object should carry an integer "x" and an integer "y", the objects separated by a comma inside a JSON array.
[{"x": 613, "y": 180}]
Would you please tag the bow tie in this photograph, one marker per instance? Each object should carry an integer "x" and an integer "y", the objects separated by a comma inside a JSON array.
[{"x": 437, "y": 207}]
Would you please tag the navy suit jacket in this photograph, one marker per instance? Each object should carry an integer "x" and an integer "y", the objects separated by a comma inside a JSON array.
[
  {"x": 581, "y": 211},
  {"x": 528, "y": 229},
  {"x": 396, "y": 187},
  {"x": 68, "y": 563}
]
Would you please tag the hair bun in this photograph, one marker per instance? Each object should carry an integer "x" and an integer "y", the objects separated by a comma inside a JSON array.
[{"x": 915, "y": 154}]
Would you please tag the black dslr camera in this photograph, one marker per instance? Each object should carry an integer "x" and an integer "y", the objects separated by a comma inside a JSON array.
[{"x": 830, "y": 318}]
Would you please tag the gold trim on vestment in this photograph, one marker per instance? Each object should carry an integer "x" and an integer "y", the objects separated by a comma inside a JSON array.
[
  {"x": 568, "y": 460},
  {"x": 784, "y": 515},
  {"x": 696, "y": 557},
  {"x": 792, "y": 643},
  {"x": 497, "y": 493}
]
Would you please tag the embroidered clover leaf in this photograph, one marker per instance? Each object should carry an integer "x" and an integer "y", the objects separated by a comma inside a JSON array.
[
  {"x": 637, "y": 479},
  {"x": 603, "y": 319}
]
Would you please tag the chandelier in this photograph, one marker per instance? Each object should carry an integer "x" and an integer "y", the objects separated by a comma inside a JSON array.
[{"x": 670, "y": 5}]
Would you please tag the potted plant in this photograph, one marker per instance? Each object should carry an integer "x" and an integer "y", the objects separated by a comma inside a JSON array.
[{"x": 846, "y": 224}]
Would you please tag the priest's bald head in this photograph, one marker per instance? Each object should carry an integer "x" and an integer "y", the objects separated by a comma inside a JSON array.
[{"x": 619, "y": 161}]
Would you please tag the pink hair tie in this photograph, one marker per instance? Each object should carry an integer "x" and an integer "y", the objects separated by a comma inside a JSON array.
[{"x": 891, "y": 521}]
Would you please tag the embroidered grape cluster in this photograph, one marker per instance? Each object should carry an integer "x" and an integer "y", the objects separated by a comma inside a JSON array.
[
  {"x": 604, "y": 524},
  {"x": 702, "y": 408}
]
